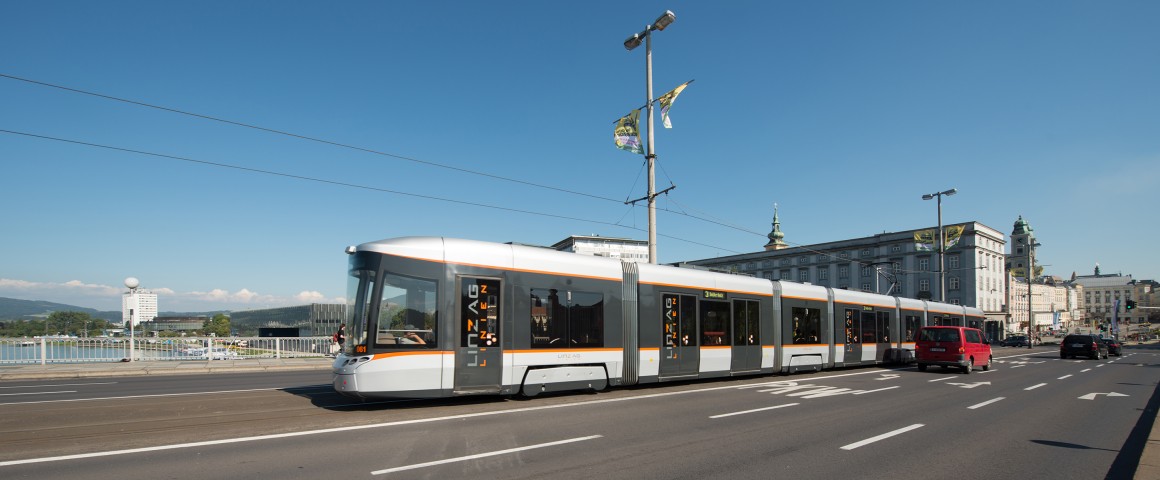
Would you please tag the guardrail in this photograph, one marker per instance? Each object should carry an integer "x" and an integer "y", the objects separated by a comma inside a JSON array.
[{"x": 44, "y": 350}]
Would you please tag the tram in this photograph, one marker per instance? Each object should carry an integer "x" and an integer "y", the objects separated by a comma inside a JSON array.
[{"x": 437, "y": 317}]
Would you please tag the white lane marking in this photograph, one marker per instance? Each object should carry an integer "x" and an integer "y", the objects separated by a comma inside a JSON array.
[
  {"x": 36, "y": 393},
  {"x": 482, "y": 455},
  {"x": 375, "y": 425},
  {"x": 1063, "y": 377},
  {"x": 754, "y": 410},
  {"x": 988, "y": 402},
  {"x": 939, "y": 379},
  {"x": 146, "y": 396},
  {"x": 1085, "y": 370},
  {"x": 62, "y": 385},
  {"x": 1018, "y": 366},
  {"x": 1100, "y": 365},
  {"x": 882, "y": 437},
  {"x": 1033, "y": 387},
  {"x": 875, "y": 390}
]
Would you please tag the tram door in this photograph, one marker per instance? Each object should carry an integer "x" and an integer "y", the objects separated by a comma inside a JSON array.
[
  {"x": 679, "y": 341},
  {"x": 869, "y": 336},
  {"x": 478, "y": 357},
  {"x": 746, "y": 336},
  {"x": 853, "y": 328}
]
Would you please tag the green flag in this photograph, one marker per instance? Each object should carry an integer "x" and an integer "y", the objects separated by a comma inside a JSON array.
[{"x": 626, "y": 133}]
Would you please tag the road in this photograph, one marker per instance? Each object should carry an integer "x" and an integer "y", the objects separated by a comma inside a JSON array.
[{"x": 1032, "y": 416}]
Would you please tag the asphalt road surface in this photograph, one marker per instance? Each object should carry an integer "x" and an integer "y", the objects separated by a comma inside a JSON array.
[{"x": 1032, "y": 416}]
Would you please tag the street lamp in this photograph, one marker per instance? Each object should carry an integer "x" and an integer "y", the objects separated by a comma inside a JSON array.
[
  {"x": 650, "y": 154},
  {"x": 132, "y": 283},
  {"x": 1031, "y": 244},
  {"x": 942, "y": 285}
]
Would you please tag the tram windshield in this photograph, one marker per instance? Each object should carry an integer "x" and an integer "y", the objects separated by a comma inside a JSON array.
[{"x": 387, "y": 311}]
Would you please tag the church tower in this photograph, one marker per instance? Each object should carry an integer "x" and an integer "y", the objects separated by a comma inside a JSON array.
[
  {"x": 776, "y": 238},
  {"x": 1022, "y": 239}
]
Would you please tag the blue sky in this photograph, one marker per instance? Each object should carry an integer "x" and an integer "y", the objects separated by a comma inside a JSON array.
[{"x": 843, "y": 112}]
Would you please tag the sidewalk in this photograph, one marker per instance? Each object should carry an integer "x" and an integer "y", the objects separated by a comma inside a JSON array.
[{"x": 116, "y": 369}]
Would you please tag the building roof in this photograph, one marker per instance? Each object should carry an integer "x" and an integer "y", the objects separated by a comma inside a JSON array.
[{"x": 1116, "y": 280}]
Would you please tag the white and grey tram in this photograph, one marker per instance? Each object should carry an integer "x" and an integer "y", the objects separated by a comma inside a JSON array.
[{"x": 437, "y": 317}]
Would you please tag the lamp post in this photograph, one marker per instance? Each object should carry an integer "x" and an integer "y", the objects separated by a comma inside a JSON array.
[
  {"x": 632, "y": 42},
  {"x": 1031, "y": 244},
  {"x": 942, "y": 286},
  {"x": 132, "y": 283}
]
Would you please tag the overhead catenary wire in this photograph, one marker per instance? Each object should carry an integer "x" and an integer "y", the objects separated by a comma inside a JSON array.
[
  {"x": 341, "y": 183},
  {"x": 354, "y": 147}
]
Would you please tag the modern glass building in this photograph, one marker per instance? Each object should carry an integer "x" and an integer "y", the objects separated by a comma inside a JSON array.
[{"x": 316, "y": 319}]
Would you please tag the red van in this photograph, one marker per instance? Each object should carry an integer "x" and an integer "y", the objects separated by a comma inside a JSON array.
[{"x": 962, "y": 347}]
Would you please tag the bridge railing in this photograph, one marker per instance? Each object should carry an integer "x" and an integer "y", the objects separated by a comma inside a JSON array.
[{"x": 44, "y": 350}]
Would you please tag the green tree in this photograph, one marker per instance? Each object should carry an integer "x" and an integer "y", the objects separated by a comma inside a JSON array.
[
  {"x": 219, "y": 325},
  {"x": 79, "y": 324}
]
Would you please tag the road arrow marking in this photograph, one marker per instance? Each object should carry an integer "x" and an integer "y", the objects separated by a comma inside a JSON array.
[
  {"x": 1092, "y": 396},
  {"x": 970, "y": 385},
  {"x": 888, "y": 376}
]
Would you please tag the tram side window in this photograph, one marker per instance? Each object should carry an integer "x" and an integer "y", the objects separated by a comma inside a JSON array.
[
  {"x": 566, "y": 319},
  {"x": 715, "y": 323},
  {"x": 936, "y": 320},
  {"x": 807, "y": 322},
  {"x": 407, "y": 314},
  {"x": 912, "y": 324}
]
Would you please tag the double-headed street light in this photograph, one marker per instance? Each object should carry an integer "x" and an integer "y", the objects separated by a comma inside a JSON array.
[
  {"x": 942, "y": 283},
  {"x": 650, "y": 155}
]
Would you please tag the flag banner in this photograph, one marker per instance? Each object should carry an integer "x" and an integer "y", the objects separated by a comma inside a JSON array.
[
  {"x": 924, "y": 240},
  {"x": 952, "y": 234},
  {"x": 626, "y": 134},
  {"x": 667, "y": 102}
]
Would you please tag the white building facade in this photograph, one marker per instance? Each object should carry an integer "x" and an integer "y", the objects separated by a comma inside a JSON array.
[
  {"x": 625, "y": 249},
  {"x": 138, "y": 306}
]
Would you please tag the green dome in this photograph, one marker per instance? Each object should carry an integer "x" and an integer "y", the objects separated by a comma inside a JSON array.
[{"x": 1021, "y": 227}]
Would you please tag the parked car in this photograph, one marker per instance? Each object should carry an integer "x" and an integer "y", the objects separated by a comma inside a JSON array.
[
  {"x": 1086, "y": 345},
  {"x": 1014, "y": 341},
  {"x": 950, "y": 346},
  {"x": 1114, "y": 347}
]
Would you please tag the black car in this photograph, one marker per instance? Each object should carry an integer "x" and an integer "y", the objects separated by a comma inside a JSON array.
[
  {"x": 1015, "y": 341},
  {"x": 1114, "y": 347},
  {"x": 1083, "y": 345}
]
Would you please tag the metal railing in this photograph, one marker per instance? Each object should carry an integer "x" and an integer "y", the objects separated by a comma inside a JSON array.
[{"x": 45, "y": 350}]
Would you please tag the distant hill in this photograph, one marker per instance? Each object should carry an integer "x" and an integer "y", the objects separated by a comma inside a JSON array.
[{"x": 14, "y": 309}]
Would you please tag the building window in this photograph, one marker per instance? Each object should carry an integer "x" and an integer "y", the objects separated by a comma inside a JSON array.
[
  {"x": 924, "y": 264},
  {"x": 803, "y": 260},
  {"x": 784, "y": 275},
  {"x": 953, "y": 283},
  {"x": 897, "y": 266},
  {"x": 954, "y": 301},
  {"x": 823, "y": 273},
  {"x": 865, "y": 252},
  {"x": 865, "y": 271},
  {"x": 953, "y": 261},
  {"x": 804, "y": 275},
  {"x": 785, "y": 261},
  {"x": 924, "y": 285},
  {"x": 767, "y": 264},
  {"x": 896, "y": 248},
  {"x": 844, "y": 255},
  {"x": 843, "y": 271},
  {"x": 865, "y": 286}
]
